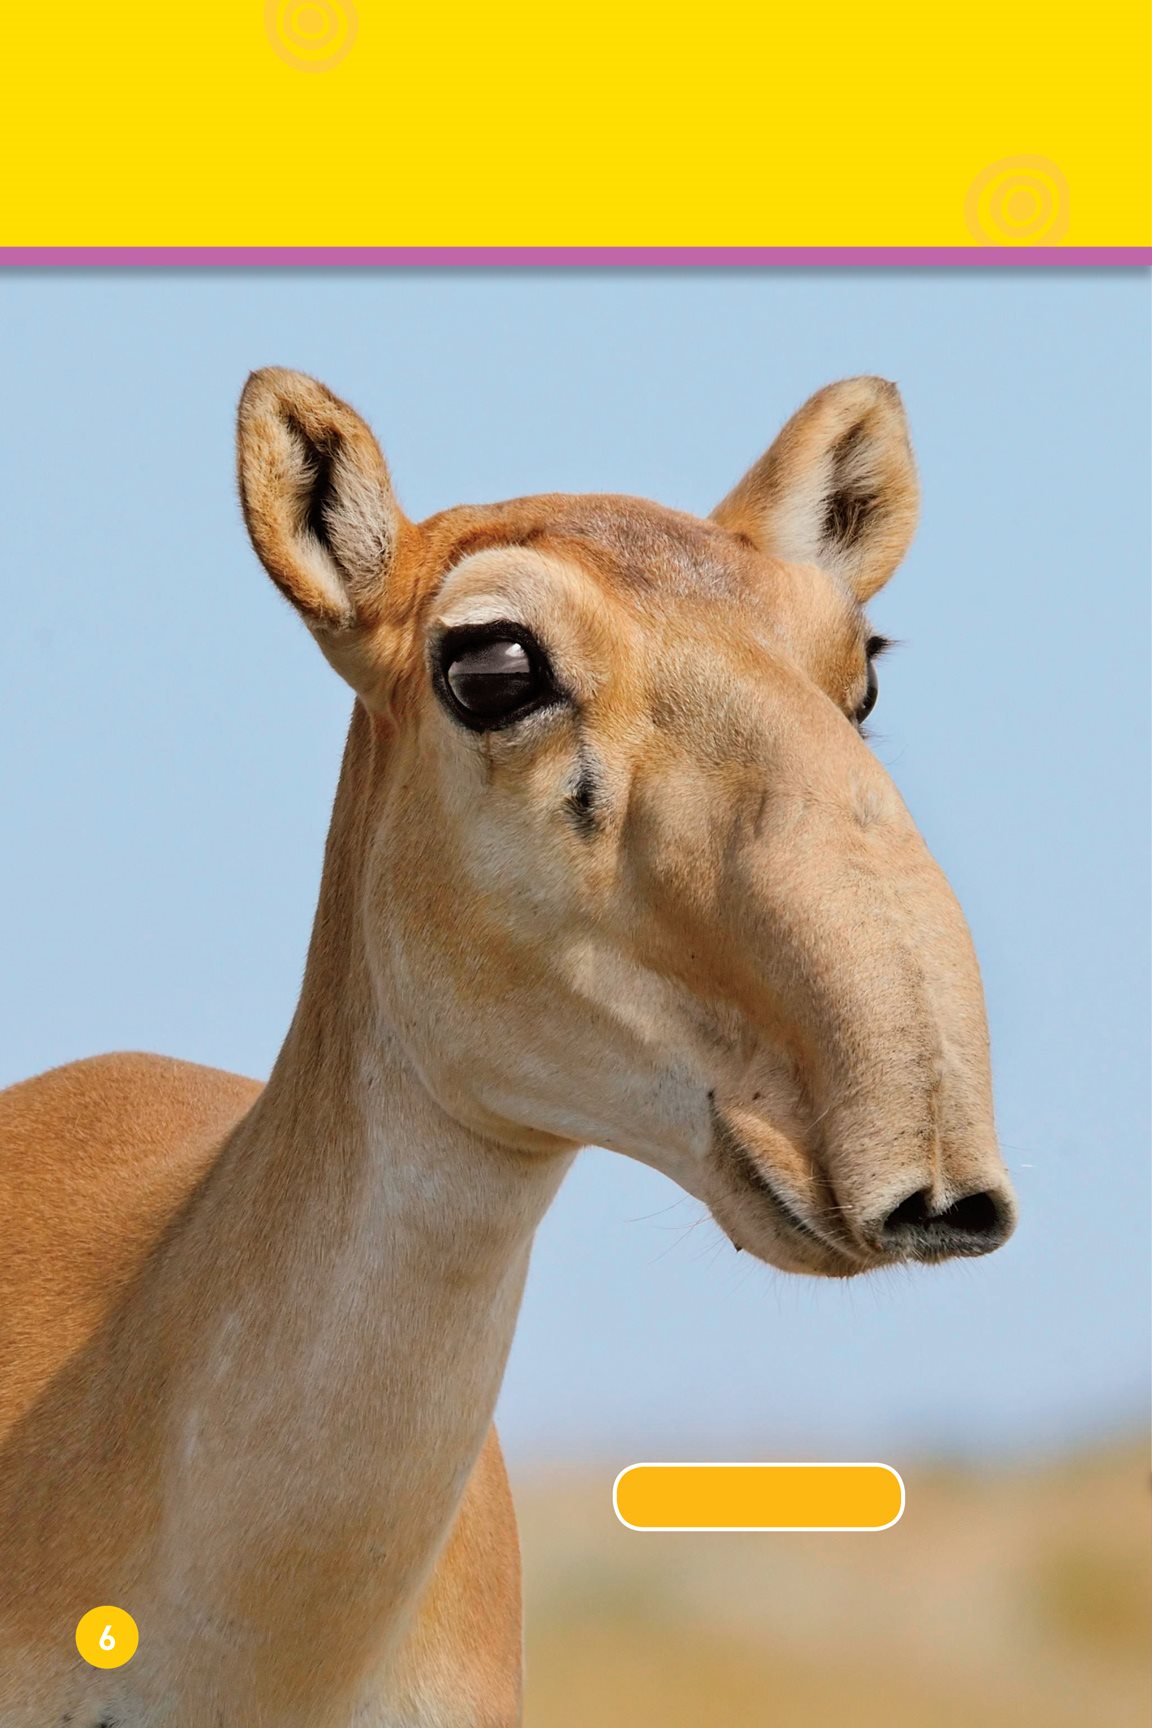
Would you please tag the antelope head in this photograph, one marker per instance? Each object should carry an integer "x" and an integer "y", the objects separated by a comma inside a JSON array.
[{"x": 626, "y": 872}]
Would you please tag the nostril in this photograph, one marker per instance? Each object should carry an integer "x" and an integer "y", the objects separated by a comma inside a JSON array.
[
  {"x": 974, "y": 1224},
  {"x": 975, "y": 1215},
  {"x": 914, "y": 1210}
]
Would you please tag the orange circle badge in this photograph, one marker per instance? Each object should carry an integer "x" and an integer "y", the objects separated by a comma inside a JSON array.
[{"x": 107, "y": 1637}]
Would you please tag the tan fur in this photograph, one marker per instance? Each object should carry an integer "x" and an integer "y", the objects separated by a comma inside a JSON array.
[
  {"x": 252, "y": 1339},
  {"x": 97, "y": 1157}
]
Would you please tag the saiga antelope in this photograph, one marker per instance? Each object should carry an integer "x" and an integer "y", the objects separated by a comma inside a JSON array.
[{"x": 609, "y": 864}]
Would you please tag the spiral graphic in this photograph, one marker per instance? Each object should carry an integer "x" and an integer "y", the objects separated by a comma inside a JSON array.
[
  {"x": 1018, "y": 201},
  {"x": 313, "y": 35}
]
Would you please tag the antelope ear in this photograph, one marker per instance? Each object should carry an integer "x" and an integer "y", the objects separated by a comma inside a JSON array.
[
  {"x": 317, "y": 498},
  {"x": 838, "y": 488}
]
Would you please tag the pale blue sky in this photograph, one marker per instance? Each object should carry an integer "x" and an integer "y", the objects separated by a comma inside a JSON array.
[{"x": 171, "y": 743}]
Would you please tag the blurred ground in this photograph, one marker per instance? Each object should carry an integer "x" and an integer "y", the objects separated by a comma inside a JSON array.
[{"x": 1005, "y": 1598}]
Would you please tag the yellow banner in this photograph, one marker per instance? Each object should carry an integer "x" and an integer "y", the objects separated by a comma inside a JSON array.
[{"x": 273, "y": 123}]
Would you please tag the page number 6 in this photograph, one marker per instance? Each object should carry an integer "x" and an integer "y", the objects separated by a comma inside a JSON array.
[{"x": 107, "y": 1637}]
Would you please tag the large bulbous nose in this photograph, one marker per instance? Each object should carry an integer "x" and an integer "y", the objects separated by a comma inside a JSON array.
[{"x": 920, "y": 1229}]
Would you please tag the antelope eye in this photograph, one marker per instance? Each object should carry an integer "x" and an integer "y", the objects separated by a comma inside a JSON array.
[
  {"x": 874, "y": 648},
  {"x": 870, "y": 695},
  {"x": 491, "y": 678}
]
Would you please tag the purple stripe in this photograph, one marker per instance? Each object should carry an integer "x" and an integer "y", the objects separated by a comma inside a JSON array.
[{"x": 423, "y": 257}]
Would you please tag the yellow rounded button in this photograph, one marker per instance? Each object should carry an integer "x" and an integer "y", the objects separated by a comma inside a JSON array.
[
  {"x": 107, "y": 1637},
  {"x": 758, "y": 1496}
]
